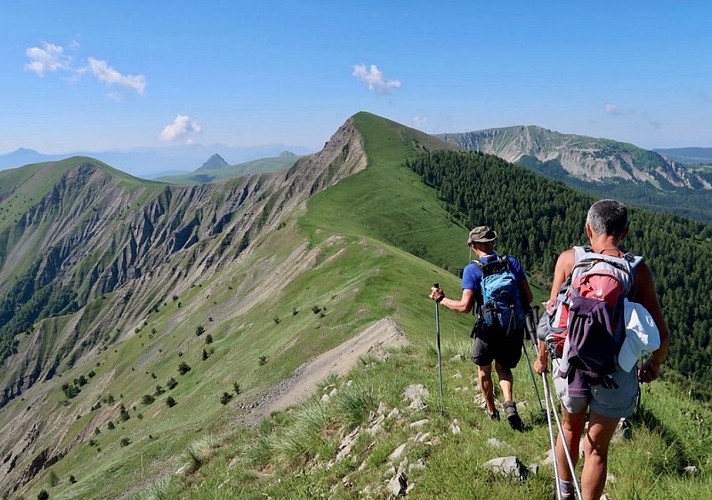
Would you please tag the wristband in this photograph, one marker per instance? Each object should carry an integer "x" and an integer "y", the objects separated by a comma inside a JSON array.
[{"x": 440, "y": 299}]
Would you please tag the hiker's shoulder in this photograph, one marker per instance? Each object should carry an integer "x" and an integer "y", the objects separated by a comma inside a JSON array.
[{"x": 567, "y": 256}]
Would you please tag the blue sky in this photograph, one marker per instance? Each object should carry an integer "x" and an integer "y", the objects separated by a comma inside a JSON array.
[{"x": 104, "y": 75}]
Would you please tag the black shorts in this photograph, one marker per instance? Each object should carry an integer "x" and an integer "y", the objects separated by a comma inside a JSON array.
[{"x": 495, "y": 344}]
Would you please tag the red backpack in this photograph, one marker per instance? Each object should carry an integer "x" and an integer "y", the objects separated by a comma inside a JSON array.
[{"x": 592, "y": 296}]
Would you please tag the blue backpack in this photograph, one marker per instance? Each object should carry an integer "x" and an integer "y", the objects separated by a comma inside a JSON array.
[{"x": 501, "y": 303}]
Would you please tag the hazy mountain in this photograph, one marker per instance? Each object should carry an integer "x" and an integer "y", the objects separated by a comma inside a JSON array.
[
  {"x": 215, "y": 162},
  {"x": 216, "y": 169},
  {"x": 148, "y": 163},
  {"x": 687, "y": 156}
]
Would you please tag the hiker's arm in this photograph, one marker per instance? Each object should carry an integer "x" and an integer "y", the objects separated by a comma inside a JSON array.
[
  {"x": 464, "y": 305},
  {"x": 564, "y": 265},
  {"x": 644, "y": 293},
  {"x": 541, "y": 364}
]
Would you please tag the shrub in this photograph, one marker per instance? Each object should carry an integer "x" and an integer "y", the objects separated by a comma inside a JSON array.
[
  {"x": 158, "y": 390},
  {"x": 147, "y": 399},
  {"x": 262, "y": 360},
  {"x": 316, "y": 309},
  {"x": 42, "y": 495},
  {"x": 225, "y": 398},
  {"x": 276, "y": 320},
  {"x": 124, "y": 442},
  {"x": 170, "y": 402},
  {"x": 110, "y": 425},
  {"x": 123, "y": 414},
  {"x": 70, "y": 391},
  {"x": 72, "y": 479},
  {"x": 53, "y": 480},
  {"x": 354, "y": 404},
  {"x": 236, "y": 387},
  {"x": 197, "y": 453},
  {"x": 199, "y": 330},
  {"x": 171, "y": 383},
  {"x": 183, "y": 368},
  {"x": 208, "y": 339}
]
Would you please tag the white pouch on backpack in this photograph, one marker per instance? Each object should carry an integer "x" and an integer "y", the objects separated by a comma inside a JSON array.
[{"x": 642, "y": 336}]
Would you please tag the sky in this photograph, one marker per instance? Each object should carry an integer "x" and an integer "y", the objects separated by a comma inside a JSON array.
[{"x": 115, "y": 75}]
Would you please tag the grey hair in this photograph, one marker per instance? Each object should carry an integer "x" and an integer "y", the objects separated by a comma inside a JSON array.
[{"x": 609, "y": 217}]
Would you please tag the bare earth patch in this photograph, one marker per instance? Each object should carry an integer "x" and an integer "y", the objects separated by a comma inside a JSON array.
[{"x": 375, "y": 340}]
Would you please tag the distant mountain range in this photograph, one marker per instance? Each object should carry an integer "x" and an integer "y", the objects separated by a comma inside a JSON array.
[
  {"x": 149, "y": 163},
  {"x": 603, "y": 167},
  {"x": 688, "y": 156},
  {"x": 217, "y": 169}
]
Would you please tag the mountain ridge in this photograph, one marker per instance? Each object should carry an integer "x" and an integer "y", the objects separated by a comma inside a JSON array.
[
  {"x": 275, "y": 269},
  {"x": 586, "y": 158}
]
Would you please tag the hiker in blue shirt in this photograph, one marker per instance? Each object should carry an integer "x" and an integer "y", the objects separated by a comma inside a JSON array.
[
  {"x": 606, "y": 226},
  {"x": 501, "y": 343}
]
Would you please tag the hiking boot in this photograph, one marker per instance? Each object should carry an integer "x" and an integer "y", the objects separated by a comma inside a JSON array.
[
  {"x": 515, "y": 422},
  {"x": 567, "y": 491}
]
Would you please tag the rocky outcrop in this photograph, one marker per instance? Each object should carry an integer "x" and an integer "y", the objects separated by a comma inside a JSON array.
[{"x": 586, "y": 158}]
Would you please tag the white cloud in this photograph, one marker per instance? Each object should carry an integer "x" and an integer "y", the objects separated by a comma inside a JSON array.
[
  {"x": 180, "y": 127},
  {"x": 615, "y": 110},
  {"x": 373, "y": 77},
  {"x": 419, "y": 121},
  {"x": 51, "y": 58},
  {"x": 47, "y": 59},
  {"x": 108, "y": 75}
]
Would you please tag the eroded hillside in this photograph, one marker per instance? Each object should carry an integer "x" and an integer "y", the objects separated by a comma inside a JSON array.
[{"x": 107, "y": 254}]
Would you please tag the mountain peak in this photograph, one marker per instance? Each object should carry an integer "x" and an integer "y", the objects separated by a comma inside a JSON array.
[{"x": 215, "y": 162}]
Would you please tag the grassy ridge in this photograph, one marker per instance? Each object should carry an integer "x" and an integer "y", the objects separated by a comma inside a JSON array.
[{"x": 363, "y": 272}]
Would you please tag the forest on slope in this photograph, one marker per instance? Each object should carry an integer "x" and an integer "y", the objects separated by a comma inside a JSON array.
[{"x": 537, "y": 218}]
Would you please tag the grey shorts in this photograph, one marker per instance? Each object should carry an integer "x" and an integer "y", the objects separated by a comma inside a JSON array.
[{"x": 612, "y": 403}]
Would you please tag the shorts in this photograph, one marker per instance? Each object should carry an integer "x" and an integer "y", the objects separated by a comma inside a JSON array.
[
  {"x": 613, "y": 403},
  {"x": 493, "y": 344}
]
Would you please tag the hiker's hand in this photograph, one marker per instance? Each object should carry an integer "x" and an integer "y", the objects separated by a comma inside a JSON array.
[
  {"x": 541, "y": 366},
  {"x": 650, "y": 370},
  {"x": 436, "y": 293}
]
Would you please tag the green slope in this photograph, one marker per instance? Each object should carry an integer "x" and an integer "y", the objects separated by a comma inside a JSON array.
[
  {"x": 388, "y": 202},
  {"x": 361, "y": 273}
]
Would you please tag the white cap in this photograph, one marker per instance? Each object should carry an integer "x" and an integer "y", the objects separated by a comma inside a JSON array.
[{"x": 642, "y": 336}]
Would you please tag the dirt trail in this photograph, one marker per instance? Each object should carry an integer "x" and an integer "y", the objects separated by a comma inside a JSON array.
[{"x": 375, "y": 340}]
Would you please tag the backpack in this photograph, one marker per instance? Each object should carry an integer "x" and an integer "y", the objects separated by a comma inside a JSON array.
[
  {"x": 501, "y": 303},
  {"x": 589, "y": 313}
]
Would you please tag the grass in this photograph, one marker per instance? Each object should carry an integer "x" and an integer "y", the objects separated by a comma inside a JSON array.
[{"x": 367, "y": 266}]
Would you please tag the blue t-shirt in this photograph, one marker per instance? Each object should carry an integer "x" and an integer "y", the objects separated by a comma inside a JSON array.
[{"x": 472, "y": 275}]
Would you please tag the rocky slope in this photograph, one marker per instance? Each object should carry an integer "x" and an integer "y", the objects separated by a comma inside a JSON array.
[{"x": 585, "y": 158}]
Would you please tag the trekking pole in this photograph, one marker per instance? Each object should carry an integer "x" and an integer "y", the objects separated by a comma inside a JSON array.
[
  {"x": 440, "y": 361},
  {"x": 530, "y": 329},
  {"x": 551, "y": 436},
  {"x": 531, "y": 373},
  {"x": 567, "y": 452},
  {"x": 532, "y": 321}
]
